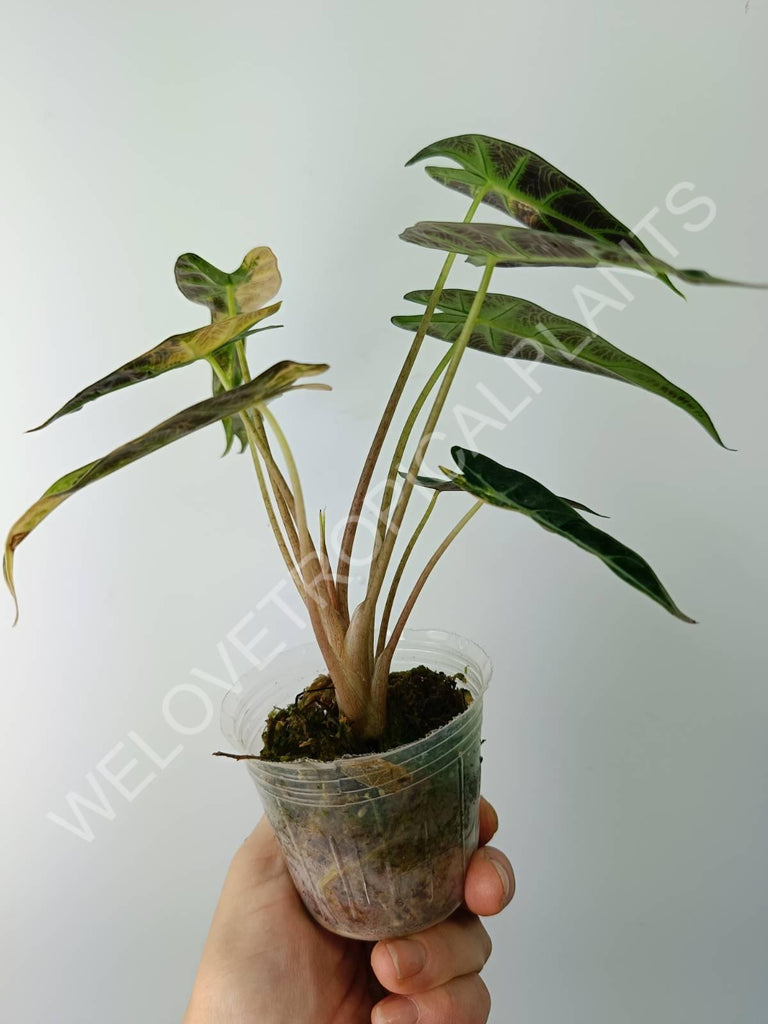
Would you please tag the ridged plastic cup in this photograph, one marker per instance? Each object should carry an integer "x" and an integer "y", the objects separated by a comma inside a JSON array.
[{"x": 377, "y": 845}]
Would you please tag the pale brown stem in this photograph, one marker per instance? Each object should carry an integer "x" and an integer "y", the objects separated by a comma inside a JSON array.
[
  {"x": 278, "y": 481},
  {"x": 425, "y": 574},
  {"x": 399, "y": 573},
  {"x": 253, "y": 420},
  {"x": 384, "y": 659},
  {"x": 273, "y": 522},
  {"x": 382, "y": 558},
  {"x": 358, "y": 500},
  {"x": 327, "y": 625},
  {"x": 282, "y": 492},
  {"x": 389, "y": 490},
  {"x": 253, "y": 445},
  {"x": 325, "y": 564}
]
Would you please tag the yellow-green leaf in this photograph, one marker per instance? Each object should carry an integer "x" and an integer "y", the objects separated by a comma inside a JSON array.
[
  {"x": 176, "y": 351},
  {"x": 256, "y": 281},
  {"x": 280, "y": 378}
]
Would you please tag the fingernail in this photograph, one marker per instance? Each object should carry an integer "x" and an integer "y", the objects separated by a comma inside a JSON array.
[
  {"x": 408, "y": 956},
  {"x": 503, "y": 874},
  {"x": 396, "y": 1011}
]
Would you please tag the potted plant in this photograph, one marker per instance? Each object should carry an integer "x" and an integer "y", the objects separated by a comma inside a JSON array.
[{"x": 371, "y": 774}]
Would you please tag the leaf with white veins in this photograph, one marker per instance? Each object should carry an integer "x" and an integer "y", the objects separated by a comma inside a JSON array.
[
  {"x": 523, "y": 185},
  {"x": 516, "y": 328},
  {"x": 523, "y": 247}
]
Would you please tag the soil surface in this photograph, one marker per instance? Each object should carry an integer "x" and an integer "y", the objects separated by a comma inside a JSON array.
[{"x": 418, "y": 701}]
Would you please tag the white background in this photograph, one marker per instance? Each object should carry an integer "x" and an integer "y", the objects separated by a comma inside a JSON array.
[{"x": 625, "y": 751}]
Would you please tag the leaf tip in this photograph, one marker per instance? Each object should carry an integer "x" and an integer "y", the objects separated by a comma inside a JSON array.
[
  {"x": 418, "y": 156},
  {"x": 34, "y": 430},
  {"x": 672, "y": 286},
  {"x": 8, "y": 577}
]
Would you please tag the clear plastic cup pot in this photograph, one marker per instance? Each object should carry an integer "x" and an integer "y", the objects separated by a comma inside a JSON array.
[{"x": 377, "y": 844}]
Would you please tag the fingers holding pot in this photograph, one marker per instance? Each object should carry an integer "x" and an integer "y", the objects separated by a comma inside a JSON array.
[
  {"x": 433, "y": 957},
  {"x": 463, "y": 1000},
  {"x": 490, "y": 882},
  {"x": 489, "y": 821}
]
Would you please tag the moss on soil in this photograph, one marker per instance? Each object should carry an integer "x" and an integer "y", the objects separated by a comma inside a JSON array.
[{"x": 418, "y": 701}]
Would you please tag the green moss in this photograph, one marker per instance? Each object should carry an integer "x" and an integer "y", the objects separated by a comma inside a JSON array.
[{"x": 418, "y": 701}]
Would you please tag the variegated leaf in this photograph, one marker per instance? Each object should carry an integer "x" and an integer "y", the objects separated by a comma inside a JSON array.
[
  {"x": 509, "y": 489},
  {"x": 523, "y": 185},
  {"x": 523, "y": 247},
  {"x": 256, "y": 281},
  {"x": 281, "y": 377},
  {"x": 516, "y": 328},
  {"x": 176, "y": 351}
]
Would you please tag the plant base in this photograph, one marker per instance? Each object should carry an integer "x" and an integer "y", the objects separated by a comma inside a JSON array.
[{"x": 419, "y": 700}]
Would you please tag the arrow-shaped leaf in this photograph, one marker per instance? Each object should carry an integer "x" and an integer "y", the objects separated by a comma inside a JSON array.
[
  {"x": 516, "y": 328},
  {"x": 524, "y": 247},
  {"x": 507, "y": 488},
  {"x": 275, "y": 381},
  {"x": 175, "y": 351},
  {"x": 436, "y": 484},
  {"x": 523, "y": 185},
  {"x": 256, "y": 281}
]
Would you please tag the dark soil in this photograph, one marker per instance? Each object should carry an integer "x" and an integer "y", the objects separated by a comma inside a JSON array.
[{"x": 418, "y": 701}]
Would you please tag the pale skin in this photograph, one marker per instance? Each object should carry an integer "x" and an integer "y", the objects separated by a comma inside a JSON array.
[{"x": 267, "y": 961}]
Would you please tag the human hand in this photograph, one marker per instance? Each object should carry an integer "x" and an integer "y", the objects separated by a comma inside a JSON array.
[{"x": 267, "y": 961}]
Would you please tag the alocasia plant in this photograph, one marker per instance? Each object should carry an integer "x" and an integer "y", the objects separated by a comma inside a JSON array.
[{"x": 563, "y": 226}]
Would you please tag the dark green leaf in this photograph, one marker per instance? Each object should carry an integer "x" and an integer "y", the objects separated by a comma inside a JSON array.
[
  {"x": 178, "y": 350},
  {"x": 275, "y": 381},
  {"x": 583, "y": 508},
  {"x": 435, "y": 484},
  {"x": 517, "y": 328},
  {"x": 509, "y": 489},
  {"x": 524, "y": 247},
  {"x": 523, "y": 185}
]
